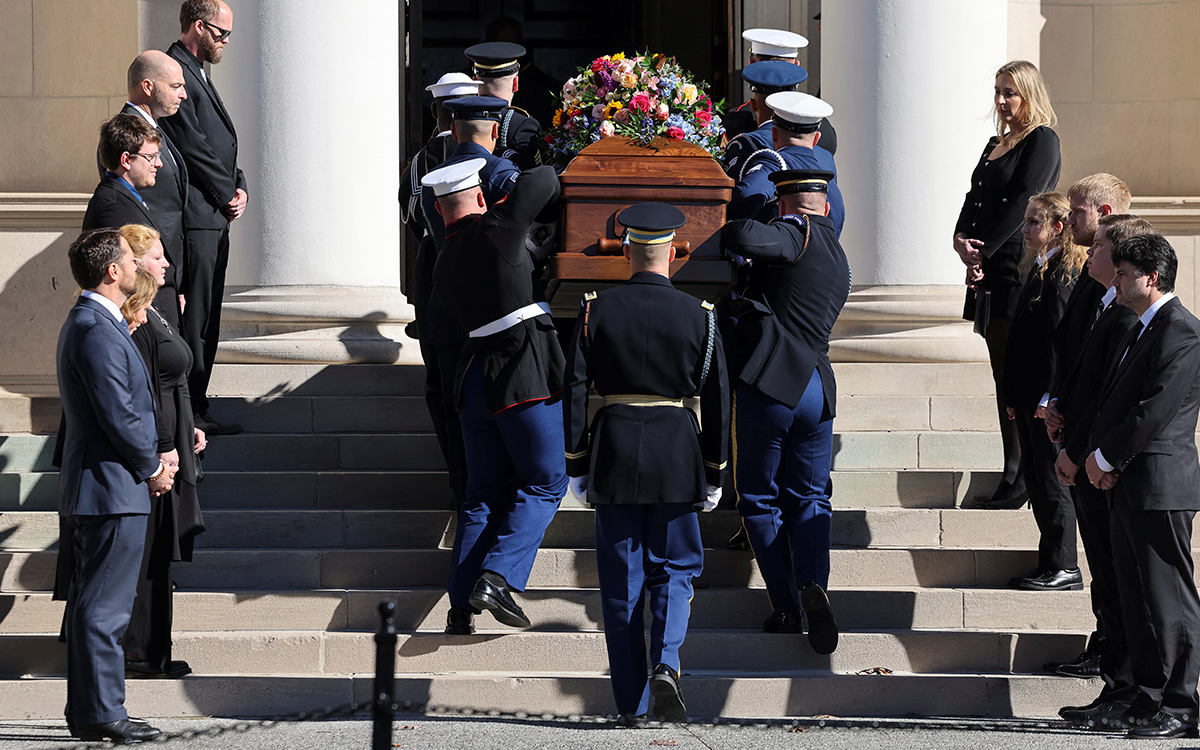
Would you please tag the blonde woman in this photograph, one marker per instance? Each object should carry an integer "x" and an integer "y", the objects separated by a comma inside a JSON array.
[
  {"x": 1020, "y": 161},
  {"x": 1051, "y": 265}
]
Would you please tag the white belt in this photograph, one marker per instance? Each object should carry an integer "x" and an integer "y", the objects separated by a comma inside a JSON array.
[{"x": 510, "y": 320}]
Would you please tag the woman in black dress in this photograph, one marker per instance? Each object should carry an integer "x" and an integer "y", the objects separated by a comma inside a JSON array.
[
  {"x": 1051, "y": 265},
  {"x": 1021, "y": 161},
  {"x": 175, "y": 518}
]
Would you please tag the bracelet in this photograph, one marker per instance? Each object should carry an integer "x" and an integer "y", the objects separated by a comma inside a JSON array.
[{"x": 162, "y": 469}]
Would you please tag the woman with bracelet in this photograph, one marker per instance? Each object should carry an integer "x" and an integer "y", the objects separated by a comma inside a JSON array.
[
  {"x": 175, "y": 519},
  {"x": 1021, "y": 161}
]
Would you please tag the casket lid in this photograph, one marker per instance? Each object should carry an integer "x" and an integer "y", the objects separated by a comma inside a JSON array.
[{"x": 620, "y": 161}]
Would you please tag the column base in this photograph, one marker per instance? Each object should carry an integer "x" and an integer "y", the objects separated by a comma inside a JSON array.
[
  {"x": 905, "y": 324},
  {"x": 316, "y": 325}
]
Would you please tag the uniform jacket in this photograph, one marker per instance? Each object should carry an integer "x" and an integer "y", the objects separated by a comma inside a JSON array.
[
  {"x": 1029, "y": 358},
  {"x": 110, "y": 449},
  {"x": 798, "y": 284},
  {"x": 646, "y": 338},
  {"x": 742, "y": 120},
  {"x": 754, "y": 193},
  {"x": 496, "y": 178},
  {"x": 484, "y": 272},
  {"x": 745, "y": 145},
  {"x": 1146, "y": 422},
  {"x": 519, "y": 140},
  {"x": 203, "y": 134}
]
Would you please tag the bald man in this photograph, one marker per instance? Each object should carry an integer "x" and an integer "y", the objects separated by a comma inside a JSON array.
[
  {"x": 156, "y": 89},
  {"x": 203, "y": 132}
]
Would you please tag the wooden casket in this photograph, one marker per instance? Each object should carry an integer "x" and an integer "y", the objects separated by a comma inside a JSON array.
[{"x": 611, "y": 175}]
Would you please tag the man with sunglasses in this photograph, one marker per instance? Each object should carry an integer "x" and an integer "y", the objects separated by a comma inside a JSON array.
[{"x": 203, "y": 133}]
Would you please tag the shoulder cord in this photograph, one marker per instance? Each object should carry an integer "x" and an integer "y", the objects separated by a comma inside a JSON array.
[
  {"x": 504, "y": 122},
  {"x": 771, "y": 151},
  {"x": 710, "y": 339}
]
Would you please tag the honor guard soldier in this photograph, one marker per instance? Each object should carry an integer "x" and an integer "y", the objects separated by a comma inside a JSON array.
[
  {"x": 647, "y": 465},
  {"x": 795, "y": 138},
  {"x": 496, "y": 65},
  {"x": 765, "y": 78},
  {"x": 783, "y": 46},
  {"x": 785, "y": 398},
  {"x": 507, "y": 386}
]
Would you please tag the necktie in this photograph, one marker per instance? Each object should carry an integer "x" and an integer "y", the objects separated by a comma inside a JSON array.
[
  {"x": 164, "y": 150},
  {"x": 1099, "y": 311},
  {"x": 1137, "y": 331}
]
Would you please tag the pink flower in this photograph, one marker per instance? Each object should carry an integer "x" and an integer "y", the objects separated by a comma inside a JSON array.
[
  {"x": 598, "y": 112},
  {"x": 663, "y": 111},
  {"x": 640, "y": 102},
  {"x": 622, "y": 116},
  {"x": 628, "y": 80},
  {"x": 704, "y": 117},
  {"x": 607, "y": 129},
  {"x": 676, "y": 133}
]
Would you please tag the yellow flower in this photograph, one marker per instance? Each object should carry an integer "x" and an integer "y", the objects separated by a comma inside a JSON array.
[
  {"x": 629, "y": 80},
  {"x": 557, "y": 119},
  {"x": 689, "y": 93},
  {"x": 619, "y": 56},
  {"x": 611, "y": 109}
]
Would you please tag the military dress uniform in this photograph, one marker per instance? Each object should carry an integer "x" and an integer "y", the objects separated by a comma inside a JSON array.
[
  {"x": 754, "y": 193},
  {"x": 767, "y": 77},
  {"x": 785, "y": 401},
  {"x": 519, "y": 139},
  {"x": 507, "y": 388},
  {"x": 646, "y": 347}
]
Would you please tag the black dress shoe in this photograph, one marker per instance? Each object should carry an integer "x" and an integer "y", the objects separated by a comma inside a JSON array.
[
  {"x": 822, "y": 627},
  {"x": 739, "y": 540},
  {"x": 1104, "y": 717},
  {"x": 668, "y": 698},
  {"x": 123, "y": 732},
  {"x": 1089, "y": 667},
  {"x": 1055, "y": 580},
  {"x": 140, "y": 669},
  {"x": 212, "y": 427},
  {"x": 1016, "y": 581},
  {"x": 458, "y": 621},
  {"x": 1160, "y": 727},
  {"x": 491, "y": 592},
  {"x": 783, "y": 622},
  {"x": 631, "y": 721},
  {"x": 1008, "y": 496}
]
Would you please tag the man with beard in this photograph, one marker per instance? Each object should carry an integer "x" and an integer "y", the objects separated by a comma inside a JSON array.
[
  {"x": 110, "y": 470},
  {"x": 203, "y": 133}
]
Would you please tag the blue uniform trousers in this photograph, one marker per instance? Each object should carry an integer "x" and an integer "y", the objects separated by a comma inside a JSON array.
[
  {"x": 781, "y": 473},
  {"x": 640, "y": 549},
  {"x": 108, "y": 559},
  {"x": 516, "y": 477}
]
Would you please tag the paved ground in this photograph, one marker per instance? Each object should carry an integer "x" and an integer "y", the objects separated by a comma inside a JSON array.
[{"x": 512, "y": 734}]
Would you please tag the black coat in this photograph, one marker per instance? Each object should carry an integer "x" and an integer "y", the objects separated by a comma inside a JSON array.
[
  {"x": 994, "y": 210},
  {"x": 203, "y": 134},
  {"x": 1146, "y": 423},
  {"x": 799, "y": 282},
  {"x": 520, "y": 139},
  {"x": 1079, "y": 379},
  {"x": 1029, "y": 358},
  {"x": 647, "y": 338},
  {"x": 113, "y": 205}
]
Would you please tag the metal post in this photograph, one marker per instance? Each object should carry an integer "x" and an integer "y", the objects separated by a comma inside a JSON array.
[{"x": 385, "y": 678}]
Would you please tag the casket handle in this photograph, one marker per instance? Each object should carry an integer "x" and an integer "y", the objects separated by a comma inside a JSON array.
[{"x": 613, "y": 247}]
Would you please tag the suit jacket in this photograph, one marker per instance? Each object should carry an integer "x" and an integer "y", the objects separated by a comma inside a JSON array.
[
  {"x": 203, "y": 133},
  {"x": 799, "y": 282},
  {"x": 1074, "y": 327},
  {"x": 646, "y": 338},
  {"x": 1146, "y": 423},
  {"x": 113, "y": 205},
  {"x": 110, "y": 449},
  {"x": 1029, "y": 358},
  {"x": 1080, "y": 380}
]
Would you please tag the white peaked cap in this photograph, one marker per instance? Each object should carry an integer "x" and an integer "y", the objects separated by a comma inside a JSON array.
[
  {"x": 454, "y": 177},
  {"x": 774, "y": 42},
  {"x": 802, "y": 109},
  {"x": 454, "y": 84}
]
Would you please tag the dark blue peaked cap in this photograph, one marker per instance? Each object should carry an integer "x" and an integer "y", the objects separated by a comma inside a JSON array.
[
  {"x": 477, "y": 107},
  {"x": 770, "y": 76},
  {"x": 649, "y": 223}
]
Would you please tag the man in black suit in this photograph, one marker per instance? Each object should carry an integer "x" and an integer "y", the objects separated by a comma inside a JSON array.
[
  {"x": 130, "y": 154},
  {"x": 110, "y": 469},
  {"x": 203, "y": 133},
  {"x": 1100, "y": 325},
  {"x": 1143, "y": 452}
]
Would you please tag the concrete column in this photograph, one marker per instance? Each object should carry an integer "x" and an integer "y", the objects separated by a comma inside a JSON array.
[
  {"x": 910, "y": 82},
  {"x": 314, "y": 269}
]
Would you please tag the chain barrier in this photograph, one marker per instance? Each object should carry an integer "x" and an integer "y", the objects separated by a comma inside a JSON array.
[{"x": 384, "y": 710}]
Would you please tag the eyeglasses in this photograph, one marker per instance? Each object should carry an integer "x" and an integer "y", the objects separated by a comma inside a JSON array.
[
  {"x": 156, "y": 157},
  {"x": 223, "y": 33}
]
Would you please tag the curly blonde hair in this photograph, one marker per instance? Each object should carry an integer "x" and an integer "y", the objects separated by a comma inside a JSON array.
[{"x": 1055, "y": 208}]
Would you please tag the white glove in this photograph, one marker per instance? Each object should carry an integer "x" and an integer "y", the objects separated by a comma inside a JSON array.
[
  {"x": 579, "y": 487},
  {"x": 708, "y": 504}
]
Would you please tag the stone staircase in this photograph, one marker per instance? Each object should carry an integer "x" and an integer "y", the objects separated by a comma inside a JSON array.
[{"x": 336, "y": 500}]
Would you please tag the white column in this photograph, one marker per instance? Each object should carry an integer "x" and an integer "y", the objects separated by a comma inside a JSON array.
[
  {"x": 314, "y": 270},
  {"x": 910, "y": 82}
]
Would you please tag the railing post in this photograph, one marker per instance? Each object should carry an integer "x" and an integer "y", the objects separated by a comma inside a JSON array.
[{"x": 385, "y": 678}]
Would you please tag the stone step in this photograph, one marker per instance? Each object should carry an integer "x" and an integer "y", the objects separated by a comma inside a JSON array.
[
  {"x": 708, "y": 694},
  {"x": 935, "y": 567},
  {"x": 573, "y": 527},
  {"x": 365, "y": 490},
  {"x": 747, "y": 651},
  {"x": 425, "y": 609}
]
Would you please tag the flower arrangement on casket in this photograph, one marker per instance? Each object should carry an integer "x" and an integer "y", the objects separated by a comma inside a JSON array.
[{"x": 640, "y": 98}]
